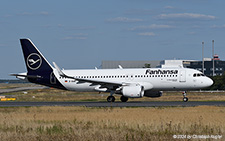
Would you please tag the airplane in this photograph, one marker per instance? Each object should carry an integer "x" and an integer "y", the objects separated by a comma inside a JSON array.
[{"x": 129, "y": 83}]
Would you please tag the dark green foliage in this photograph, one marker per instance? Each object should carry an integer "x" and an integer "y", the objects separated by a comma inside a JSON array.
[{"x": 219, "y": 83}]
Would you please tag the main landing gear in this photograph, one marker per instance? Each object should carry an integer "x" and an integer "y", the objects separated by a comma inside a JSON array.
[
  {"x": 123, "y": 98},
  {"x": 185, "y": 99},
  {"x": 111, "y": 98}
]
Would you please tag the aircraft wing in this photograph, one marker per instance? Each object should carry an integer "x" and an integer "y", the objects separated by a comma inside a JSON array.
[
  {"x": 88, "y": 80},
  {"x": 94, "y": 82}
]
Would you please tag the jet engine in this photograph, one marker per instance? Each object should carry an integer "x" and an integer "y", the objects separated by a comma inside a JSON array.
[
  {"x": 136, "y": 91},
  {"x": 153, "y": 94}
]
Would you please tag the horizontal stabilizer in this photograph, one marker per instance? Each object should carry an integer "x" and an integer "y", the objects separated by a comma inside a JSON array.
[{"x": 26, "y": 76}]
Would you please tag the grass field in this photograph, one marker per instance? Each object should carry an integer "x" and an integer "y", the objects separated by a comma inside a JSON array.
[
  {"x": 81, "y": 123},
  {"x": 52, "y": 94}
]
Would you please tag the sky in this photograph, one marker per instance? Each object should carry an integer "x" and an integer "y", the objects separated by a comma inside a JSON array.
[{"x": 79, "y": 34}]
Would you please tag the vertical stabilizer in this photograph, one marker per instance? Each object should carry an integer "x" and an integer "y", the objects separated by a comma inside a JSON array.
[
  {"x": 34, "y": 60},
  {"x": 38, "y": 68}
]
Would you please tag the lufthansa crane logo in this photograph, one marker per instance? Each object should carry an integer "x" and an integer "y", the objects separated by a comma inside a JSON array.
[{"x": 34, "y": 61}]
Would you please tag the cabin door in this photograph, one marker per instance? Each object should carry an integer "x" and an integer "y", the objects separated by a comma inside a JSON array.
[{"x": 182, "y": 76}]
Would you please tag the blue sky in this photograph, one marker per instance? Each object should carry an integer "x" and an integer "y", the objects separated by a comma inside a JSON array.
[{"x": 80, "y": 33}]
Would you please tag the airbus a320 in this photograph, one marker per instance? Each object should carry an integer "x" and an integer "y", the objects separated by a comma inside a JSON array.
[{"x": 129, "y": 83}]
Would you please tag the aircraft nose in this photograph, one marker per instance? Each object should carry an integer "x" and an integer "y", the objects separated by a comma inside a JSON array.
[{"x": 209, "y": 82}]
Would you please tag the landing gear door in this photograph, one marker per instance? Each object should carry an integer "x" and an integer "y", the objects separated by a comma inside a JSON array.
[{"x": 182, "y": 76}]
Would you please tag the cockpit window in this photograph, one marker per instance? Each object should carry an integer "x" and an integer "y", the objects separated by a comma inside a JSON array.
[{"x": 198, "y": 74}]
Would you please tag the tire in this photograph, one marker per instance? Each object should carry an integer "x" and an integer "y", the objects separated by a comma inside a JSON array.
[
  {"x": 123, "y": 98},
  {"x": 111, "y": 99},
  {"x": 185, "y": 99}
]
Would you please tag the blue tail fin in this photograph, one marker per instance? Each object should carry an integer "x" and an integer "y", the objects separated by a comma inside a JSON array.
[
  {"x": 38, "y": 68},
  {"x": 35, "y": 61}
]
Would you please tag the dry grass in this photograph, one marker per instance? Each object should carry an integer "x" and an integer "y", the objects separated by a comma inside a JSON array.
[
  {"x": 61, "y": 95},
  {"x": 16, "y": 85},
  {"x": 52, "y": 94},
  {"x": 81, "y": 123}
]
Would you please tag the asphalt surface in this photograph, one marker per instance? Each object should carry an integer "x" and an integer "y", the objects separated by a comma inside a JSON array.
[{"x": 115, "y": 104}]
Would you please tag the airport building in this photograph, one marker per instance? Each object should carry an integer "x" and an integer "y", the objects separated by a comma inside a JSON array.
[
  {"x": 219, "y": 65},
  {"x": 132, "y": 64},
  {"x": 146, "y": 64}
]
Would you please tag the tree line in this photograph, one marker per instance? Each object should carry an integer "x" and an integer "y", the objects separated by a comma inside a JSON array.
[{"x": 219, "y": 82}]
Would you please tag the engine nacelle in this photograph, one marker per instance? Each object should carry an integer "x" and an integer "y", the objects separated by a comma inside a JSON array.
[
  {"x": 136, "y": 91},
  {"x": 153, "y": 94}
]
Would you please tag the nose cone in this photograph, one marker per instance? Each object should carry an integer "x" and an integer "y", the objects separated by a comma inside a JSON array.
[{"x": 209, "y": 82}]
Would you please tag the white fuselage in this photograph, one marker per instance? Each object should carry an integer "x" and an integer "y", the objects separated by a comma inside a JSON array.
[{"x": 152, "y": 78}]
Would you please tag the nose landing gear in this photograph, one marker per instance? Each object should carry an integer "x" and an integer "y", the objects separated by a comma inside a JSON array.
[{"x": 185, "y": 99}]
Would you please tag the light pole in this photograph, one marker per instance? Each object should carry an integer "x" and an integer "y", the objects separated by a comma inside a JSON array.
[
  {"x": 203, "y": 57},
  {"x": 213, "y": 57}
]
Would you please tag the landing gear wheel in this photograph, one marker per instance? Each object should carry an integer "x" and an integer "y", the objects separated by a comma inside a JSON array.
[
  {"x": 111, "y": 99},
  {"x": 123, "y": 98},
  {"x": 185, "y": 99}
]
